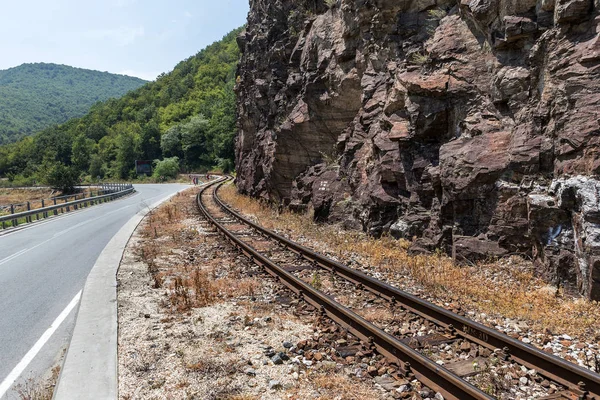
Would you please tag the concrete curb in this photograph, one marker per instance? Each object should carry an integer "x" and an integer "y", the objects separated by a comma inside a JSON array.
[{"x": 90, "y": 367}]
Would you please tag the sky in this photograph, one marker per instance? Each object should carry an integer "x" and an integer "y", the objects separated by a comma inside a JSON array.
[{"x": 140, "y": 38}]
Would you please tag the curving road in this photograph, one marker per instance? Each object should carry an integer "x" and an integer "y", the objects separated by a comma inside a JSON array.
[{"x": 43, "y": 268}]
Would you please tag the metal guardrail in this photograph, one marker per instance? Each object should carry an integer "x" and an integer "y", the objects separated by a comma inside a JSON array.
[
  {"x": 115, "y": 190},
  {"x": 29, "y": 205}
]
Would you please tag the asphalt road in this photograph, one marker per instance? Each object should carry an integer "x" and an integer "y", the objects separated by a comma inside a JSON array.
[{"x": 42, "y": 269}]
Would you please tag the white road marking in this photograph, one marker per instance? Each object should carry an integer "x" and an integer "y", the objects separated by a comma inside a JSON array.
[
  {"x": 18, "y": 370},
  {"x": 15, "y": 255},
  {"x": 26, "y": 360},
  {"x": 61, "y": 216},
  {"x": 58, "y": 234}
]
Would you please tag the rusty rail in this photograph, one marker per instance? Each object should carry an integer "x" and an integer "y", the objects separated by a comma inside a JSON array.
[
  {"x": 411, "y": 362},
  {"x": 580, "y": 381}
]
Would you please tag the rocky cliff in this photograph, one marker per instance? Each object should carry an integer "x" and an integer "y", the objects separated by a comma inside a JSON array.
[{"x": 467, "y": 125}]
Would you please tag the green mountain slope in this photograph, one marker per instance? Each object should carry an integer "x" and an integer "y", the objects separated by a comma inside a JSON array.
[
  {"x": 188, "y": 113},
  {"x": 36, "y": 96}
]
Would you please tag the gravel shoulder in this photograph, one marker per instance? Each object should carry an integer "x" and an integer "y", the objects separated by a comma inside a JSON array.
[
  {"x": 502, "y": 294},
  {"x": 197, "y": 321}
]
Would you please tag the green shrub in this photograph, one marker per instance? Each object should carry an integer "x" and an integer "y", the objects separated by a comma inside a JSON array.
[
  {"x": 330, "y": 3},
  {"x": 61, "y": 177},
  {"x": 167, "y": 168},
  {"x": 437, "y": 14}
]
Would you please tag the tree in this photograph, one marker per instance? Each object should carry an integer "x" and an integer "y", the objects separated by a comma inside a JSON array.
[
  {"x": 61, "y": 177},
  {"x": 95, "y": 131},
  {"x": 150, "y": 141},
  {"x": 162, "y": 119},
  {"x": 80, "y": 153},
  {"x": 96, "y": 167},
  {"x": 167, "y": 168},
  {"x": 170, "y": 142},
  {"x": 193, "y": 140},
  {"x": 126, "y": 156}
]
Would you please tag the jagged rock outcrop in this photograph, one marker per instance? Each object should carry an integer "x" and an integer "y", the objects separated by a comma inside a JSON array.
[{"x": 467, "y": 125}]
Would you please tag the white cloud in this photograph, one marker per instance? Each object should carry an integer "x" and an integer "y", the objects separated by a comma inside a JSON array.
[
  {"x": 122, "y": 36},
  {"x": 146, "y": 75},
  {"x": 188, "y": 14}
]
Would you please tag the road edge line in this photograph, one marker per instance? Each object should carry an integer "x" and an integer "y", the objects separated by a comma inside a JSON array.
[
  {"x": 90, "y": 367},
  {"x": 35, "y": 349}
]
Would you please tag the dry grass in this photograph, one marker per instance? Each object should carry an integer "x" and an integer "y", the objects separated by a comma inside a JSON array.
[
  {"x": 506, "y": 288},
  {"x": 211, "y": 366},
  {"x": 337, "y": 386},
  {"x": 20, "y": 197},
  {"x": 39, "y": 390},
  {"x": 13, "y": 196},
  {"x": 211, "y": 306},
  {"x": 169, "y": 251}
]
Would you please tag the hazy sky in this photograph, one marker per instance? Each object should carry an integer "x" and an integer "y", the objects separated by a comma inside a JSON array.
[{"x": 135, "y": 37}]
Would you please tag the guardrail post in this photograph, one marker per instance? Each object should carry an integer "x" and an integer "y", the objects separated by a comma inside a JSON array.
[{"x": 113, "y": 191}]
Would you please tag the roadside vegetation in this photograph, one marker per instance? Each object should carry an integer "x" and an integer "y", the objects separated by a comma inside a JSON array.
[
  {"x": 15, "y": 196},
  {"x": 198, "y": 320},
  {"x": 505, "y": 288},
  {"x": 188, "y": 113},
  {"x": 36, "y": 96},
  {"x": 165, "y": 230},
  {"x": 42, "y": 389}
]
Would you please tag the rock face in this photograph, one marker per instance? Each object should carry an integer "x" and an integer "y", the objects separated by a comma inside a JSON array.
[{"x": 467, "y": 125}]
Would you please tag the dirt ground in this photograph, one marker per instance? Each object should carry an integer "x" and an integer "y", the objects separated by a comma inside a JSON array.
[
  {"x": 503, "y": 294},
  {"x": 14, "y": 196},
  {"x": 197, "y": 321}
]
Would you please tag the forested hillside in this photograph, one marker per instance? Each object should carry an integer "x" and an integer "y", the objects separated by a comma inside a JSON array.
[
  {"x": 36, "y": 96},
  {"x": 188, "y": 113}
]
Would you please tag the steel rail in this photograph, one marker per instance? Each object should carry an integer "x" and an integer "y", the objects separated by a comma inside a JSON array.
[
  {"x": 411, "y": 362},
  {"x": 580, "y": 381},
  {"x": 23, "y": 214}
]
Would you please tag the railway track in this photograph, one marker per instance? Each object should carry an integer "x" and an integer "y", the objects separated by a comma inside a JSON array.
[{"x": 288, "y": 263}]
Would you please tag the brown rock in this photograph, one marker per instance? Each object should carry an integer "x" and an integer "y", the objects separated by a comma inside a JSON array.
[
  {"x": 444, "y": 129},
  {"x": 301, "y": 344},
  {"x": 465, "y": 346},
  {"x": 571, "y": 10}
]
